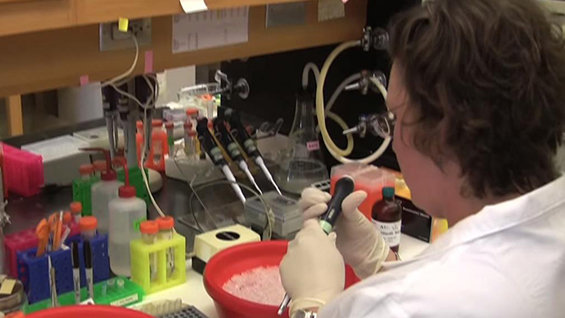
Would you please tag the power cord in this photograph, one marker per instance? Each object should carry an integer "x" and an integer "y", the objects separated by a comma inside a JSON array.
[
  {"x": 132, "y": 67},
  {"x": 145, "y": 107}
]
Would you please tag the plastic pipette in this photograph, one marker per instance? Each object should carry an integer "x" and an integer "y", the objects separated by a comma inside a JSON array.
[
  {"x": 233, "y": 150},
  {"x": 343, "y": 187},
  {"x": 240, "y": 133},
  {"x": 215, "y": 155}
]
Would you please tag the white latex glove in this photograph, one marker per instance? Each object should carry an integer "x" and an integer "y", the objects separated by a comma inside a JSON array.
[
  {"x": 313, "y": 271},
  {"x": 360, "y": 243}
]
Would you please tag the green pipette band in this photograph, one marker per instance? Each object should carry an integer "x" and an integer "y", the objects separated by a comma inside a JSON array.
[{"x": 326, "y": 226}]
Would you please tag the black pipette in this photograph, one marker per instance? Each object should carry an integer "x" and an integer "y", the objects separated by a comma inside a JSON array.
[
  {"x": 343, "y": 187},
  {"x": 88, "y": 268},
  {"x": 240, "y": 133},
  {"x": 215, "y": 154},
  {"x": 233, "y": 149}
]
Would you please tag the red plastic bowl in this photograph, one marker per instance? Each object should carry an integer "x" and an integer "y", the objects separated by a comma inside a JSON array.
[
  {"x": 90, "y": 311},
  {"x": 241, "y": 258}
]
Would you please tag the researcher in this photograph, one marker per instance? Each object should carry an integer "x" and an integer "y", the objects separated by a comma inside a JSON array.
[{"x": 478, "y": 91}]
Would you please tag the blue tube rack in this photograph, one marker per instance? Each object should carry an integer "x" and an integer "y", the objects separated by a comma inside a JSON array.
[{"x": 34, "y": 273}]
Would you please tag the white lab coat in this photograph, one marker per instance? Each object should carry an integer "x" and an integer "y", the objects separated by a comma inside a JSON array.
[{"x": 507, "y": 261}]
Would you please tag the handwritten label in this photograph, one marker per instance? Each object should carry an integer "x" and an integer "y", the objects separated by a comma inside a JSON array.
[{"x": 126, "y": 300}]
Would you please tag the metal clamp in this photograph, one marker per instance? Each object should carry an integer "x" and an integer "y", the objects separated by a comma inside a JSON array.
[
  {"x": 360, "y": 129},
  {"x": 227, "y": 88},
  {"x": 377, "y": 39},
  {"x": 365, "y": 83}
]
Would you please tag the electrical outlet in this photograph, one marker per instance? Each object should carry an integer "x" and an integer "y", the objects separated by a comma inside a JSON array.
[{"x": 111, "y": 38}]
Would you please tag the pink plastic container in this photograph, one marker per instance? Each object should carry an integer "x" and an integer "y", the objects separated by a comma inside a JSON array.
[
  {"x": 241, "y": 258},
  {"x": 24, "y": 171},
  {"x": 367, "y": 178}
]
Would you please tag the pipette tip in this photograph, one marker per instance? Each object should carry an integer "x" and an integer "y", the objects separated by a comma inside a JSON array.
[{"x": 284, "y": 304}]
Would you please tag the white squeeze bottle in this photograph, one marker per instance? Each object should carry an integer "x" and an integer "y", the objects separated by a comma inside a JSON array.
[
  {"x": 126, "y": 214},
  {"x": 103, "y": 192}
]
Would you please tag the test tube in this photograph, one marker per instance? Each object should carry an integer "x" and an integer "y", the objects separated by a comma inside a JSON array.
[
  {"x": 86, "y": 171},
  {"x": 76, "y": 210},
  {"x": 166, "y": 232},
  {"x": 190, "y": 142},
  {"x": 88, "y": 225},
  {"x": 67, "y": 217},
  {"x": 170, "y": 126},
  {"x": 104, "y": 291},
  {"x": 120, "y": 283},
  {"x": 210, "y": 105},
  {"x": 187, "y": 128},
  {"x": 111, "y": 284},
  {"x": 149, "y": 230},
  {"x": 192, "y": 115},
  {"x": 99, "y": 167}
]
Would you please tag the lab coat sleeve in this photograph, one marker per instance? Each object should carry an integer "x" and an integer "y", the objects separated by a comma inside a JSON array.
[{"x": 363, "y": 303}]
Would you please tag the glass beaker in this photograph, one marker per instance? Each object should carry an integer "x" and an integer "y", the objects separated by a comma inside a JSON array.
[{"x": 303, "y": 163}]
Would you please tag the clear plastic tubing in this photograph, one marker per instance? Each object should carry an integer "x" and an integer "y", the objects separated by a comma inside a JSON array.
[{"x": 86, "y": 171}]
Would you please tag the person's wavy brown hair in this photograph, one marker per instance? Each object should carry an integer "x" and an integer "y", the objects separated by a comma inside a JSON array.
[{"x": 486, "y": 87}]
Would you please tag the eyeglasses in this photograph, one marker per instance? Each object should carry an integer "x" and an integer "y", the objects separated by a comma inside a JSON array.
[{"x": 383, "y": 124}]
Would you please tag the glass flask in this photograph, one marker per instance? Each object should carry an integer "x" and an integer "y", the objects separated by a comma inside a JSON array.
[{"x": 303, "y": 163}]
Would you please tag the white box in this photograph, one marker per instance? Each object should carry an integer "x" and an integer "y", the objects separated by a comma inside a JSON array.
[
  {"x": 61, "y": 158},
  {"x": 98, "y": 137},
  {"x": 210, "y": 243}
]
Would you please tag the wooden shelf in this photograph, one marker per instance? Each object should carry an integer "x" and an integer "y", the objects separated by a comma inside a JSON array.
[
  {"x": 57, "y": 58},
  {"x": 28, "y": 16},
  {"x": 24, "y": 16}
]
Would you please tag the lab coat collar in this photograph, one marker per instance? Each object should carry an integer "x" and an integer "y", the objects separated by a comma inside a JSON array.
[{"x": 499, "y": 217}]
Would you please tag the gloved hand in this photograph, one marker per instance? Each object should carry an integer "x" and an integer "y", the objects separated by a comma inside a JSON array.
[
  {"x": 360, "y": 243},
  {"x": 312, "y": 272}
]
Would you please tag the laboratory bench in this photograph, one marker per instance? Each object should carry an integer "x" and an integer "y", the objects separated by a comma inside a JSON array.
[
  {"x": 25, "y": 213},
  {"x": 193, "y": 293},
  {"x": 173, "y": 198}
]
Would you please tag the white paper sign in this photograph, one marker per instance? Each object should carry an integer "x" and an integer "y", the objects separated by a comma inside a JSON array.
[
  {"x": 190, "y": 6},
  {"x": 330, "y": 9},
  {"x": 214, "y": 28}
]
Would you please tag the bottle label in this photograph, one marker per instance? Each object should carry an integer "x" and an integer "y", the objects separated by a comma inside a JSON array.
[
  {"x": 313, "y": 145},
  {"x": 390, "y": 231}
]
